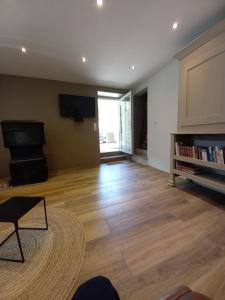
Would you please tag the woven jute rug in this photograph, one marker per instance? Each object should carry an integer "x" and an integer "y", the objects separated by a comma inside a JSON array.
[{"x": 53, "y": 258}]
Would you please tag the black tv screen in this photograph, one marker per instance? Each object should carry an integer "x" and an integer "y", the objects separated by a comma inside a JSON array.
[{"x": 76, "y": 107}]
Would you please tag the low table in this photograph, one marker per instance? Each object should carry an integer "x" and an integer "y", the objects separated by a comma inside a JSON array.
[{"x": 12, "y": 210}]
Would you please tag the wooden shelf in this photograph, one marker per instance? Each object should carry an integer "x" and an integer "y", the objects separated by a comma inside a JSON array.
[
  {"x": 213, "y": 181},
  {"x": 214, "y": 176},
  {"x": 200, "y": 162}
]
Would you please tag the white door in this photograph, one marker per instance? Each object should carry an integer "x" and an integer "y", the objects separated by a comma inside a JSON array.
[{"x": 126, "y": 126}]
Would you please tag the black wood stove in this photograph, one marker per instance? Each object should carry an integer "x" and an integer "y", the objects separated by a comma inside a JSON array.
[{"x": 25, "y": 140}]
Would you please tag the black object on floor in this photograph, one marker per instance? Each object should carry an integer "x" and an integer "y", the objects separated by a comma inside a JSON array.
[
  {"x": 98, "y": 288},
  {"x": 14, "y": 209},
  {"x": 25, "y": 140}
]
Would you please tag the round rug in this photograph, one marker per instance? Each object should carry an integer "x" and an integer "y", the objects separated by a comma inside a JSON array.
[{"x": 53, "y": 258}]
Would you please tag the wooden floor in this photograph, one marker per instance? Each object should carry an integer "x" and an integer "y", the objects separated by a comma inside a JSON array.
[{"x": 145, "y": 236}]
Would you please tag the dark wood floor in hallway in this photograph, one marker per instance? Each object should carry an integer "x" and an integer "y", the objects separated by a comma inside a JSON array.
[{"x": 145, "y": 236}]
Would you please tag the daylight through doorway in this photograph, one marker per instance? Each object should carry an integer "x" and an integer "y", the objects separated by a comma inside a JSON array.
[{"x": 109, "y": 125}]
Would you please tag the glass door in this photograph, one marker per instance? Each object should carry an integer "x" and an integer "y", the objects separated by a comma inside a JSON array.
[{"x": 126, "y": 126}]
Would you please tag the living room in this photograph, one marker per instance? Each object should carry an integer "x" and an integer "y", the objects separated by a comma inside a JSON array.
[{"x": 145, "y": 222}]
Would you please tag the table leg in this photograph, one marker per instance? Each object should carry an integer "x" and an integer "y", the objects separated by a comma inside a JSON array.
[
  {"x": 18, "y": 239},
  {"x": 46, "y": 219},
  {"x": 19, "y": 243}
]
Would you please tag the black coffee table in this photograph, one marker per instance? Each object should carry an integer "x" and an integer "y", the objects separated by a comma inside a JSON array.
[{"x": 12, "y": 210}]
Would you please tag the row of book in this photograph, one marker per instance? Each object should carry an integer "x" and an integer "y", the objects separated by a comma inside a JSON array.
[
  {"x": 211, "y": 153},
  {"x": 188, "y": 168}
]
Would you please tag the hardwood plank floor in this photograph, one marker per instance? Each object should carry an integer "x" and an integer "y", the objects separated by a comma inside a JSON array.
[{"x": 145, "y": 236}]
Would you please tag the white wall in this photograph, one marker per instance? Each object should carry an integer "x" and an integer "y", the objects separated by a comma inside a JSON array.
[{"x": 162, "y": 113}]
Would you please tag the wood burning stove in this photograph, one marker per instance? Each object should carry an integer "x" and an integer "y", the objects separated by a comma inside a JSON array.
[{"x": 25, "y": 141}]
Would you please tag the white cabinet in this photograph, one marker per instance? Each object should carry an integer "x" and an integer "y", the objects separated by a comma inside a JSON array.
[{"x": 202, "y": 84}]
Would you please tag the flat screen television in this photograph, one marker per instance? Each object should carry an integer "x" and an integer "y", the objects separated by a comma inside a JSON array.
[{"x": 76, "y": 107}]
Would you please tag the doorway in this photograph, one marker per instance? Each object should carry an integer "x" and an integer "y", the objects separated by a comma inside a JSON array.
[
  {"x": 140, "y": 117},
  {"x": 115, "y": 123},
  {"x": 109, "y": 125}
]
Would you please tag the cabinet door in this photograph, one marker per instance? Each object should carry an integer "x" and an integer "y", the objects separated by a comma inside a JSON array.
[{"x": 202, "y": 90}]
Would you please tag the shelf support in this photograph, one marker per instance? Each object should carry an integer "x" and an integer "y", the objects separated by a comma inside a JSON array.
[{"x": 172, "y": 178}]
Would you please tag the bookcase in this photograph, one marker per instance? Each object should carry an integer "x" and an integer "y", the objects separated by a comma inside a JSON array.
[{"x": 200, "y": 158}]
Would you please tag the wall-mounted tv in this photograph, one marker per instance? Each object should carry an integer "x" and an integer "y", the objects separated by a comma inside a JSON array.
[{"x": 76, "y": 107}]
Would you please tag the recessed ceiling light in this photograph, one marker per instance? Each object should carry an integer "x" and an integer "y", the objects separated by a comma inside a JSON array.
[
  {"x": 99, "y": 3},
  {"x": 175, "y": 25},
  {"x": 84, "y": 59},
  {"x": 133, "y": 68},
  {"x": 23, "y": 49}
]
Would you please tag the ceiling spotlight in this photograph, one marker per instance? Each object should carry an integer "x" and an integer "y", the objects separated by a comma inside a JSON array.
[
  {"x": 133, "y": 67},
  {"x": 84, "y": 60},
  {"x": 23, "y": 49},
  {"x": 99, "y": 3},
  {"x": 175, "y": 25}
]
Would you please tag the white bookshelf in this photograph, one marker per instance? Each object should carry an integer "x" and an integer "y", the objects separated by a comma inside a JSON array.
[
  {"x": 199, "y": 162},
  {"x": 209, "y": 176}
]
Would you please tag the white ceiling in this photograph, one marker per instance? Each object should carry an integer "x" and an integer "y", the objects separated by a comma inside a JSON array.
[{"x": 57, "y": 33}]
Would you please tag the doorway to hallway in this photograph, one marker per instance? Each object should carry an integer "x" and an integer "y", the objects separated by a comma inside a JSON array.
[{"x": 140, "y": 117}]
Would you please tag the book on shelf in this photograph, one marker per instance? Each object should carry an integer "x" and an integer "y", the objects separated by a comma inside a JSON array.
[
  {"x": 211, "y": 153},
  {"x": 188, "y": 168}
]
